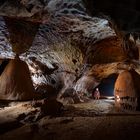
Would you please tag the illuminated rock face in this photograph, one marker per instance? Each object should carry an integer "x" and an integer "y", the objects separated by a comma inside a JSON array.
[
  {"x": 86, "y": 84},
  {"x": 15, "y": 82},
  {"x": 124, "y": 85},
  {"x": 106, "y": 51},
  {"x": 127, "y": 90},
  {"x": 62, "y": 42}
]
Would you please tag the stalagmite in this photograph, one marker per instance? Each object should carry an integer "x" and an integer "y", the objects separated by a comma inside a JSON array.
[{"x": 15, "y": 81}]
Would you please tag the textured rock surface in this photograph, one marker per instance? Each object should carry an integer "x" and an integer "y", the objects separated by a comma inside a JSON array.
[
  {"x": 16, "y": 82},
  {"x": 123, "y": 17},
  {"x": 62, "y": 47}
]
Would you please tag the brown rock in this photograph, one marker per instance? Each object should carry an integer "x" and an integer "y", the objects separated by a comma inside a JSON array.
[
  {"x": 106, "y": 51},
  {"x": 15, "y": 82}
]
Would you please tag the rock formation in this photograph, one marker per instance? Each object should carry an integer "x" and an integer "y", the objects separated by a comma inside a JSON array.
[
  {"x": 127, "y": 90},
  {"x": 15, "y": 82},
  {"x": 64, "y": 43}
]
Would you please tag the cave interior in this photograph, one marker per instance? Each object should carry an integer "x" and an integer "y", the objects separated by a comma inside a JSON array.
[{"x": 69, "y": 69}]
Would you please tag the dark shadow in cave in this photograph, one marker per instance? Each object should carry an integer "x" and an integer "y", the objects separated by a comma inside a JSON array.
[
  {"x": 9, "y": 126},
  {"x": 3, "y": 65},
  {"x": 106, "y": 87}
]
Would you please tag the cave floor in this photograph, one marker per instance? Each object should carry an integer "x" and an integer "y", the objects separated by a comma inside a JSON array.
[{"x": 94, "y": 120}]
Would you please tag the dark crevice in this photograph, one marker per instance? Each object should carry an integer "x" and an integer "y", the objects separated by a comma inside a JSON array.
[
  {"x": 3, "y": 65},
  {"x": 74, "y": 61}
]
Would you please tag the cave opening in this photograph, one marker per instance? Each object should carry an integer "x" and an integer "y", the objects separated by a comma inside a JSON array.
[{"x": 106, "y": 87}]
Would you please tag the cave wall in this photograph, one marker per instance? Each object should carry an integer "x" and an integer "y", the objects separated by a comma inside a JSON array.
[{"x": 66, "y": 44}]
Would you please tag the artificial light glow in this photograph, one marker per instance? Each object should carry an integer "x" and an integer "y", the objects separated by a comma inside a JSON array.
[{"x": 118, "y": 98}]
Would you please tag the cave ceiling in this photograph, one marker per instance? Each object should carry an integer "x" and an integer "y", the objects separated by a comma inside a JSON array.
[{"x": 125, "y": 14}]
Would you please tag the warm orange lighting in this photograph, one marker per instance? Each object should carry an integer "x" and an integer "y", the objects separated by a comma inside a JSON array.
[{"x": 118, "y": 98}]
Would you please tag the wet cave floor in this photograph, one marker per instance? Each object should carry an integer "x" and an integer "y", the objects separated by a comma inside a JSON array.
[{"x": 94, "y": 120}]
